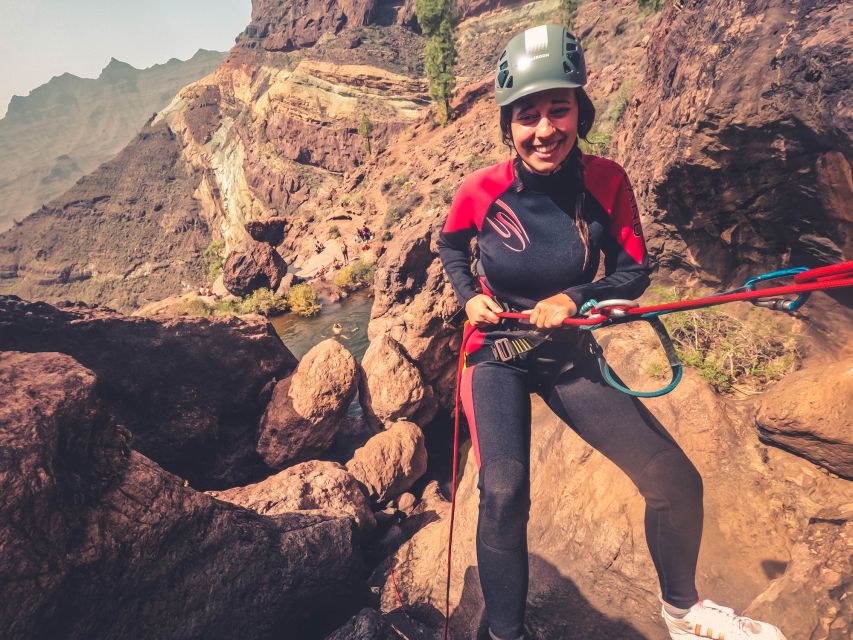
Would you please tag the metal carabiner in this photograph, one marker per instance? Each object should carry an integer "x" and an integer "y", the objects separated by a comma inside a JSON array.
[{"x": 616, "y": 308}]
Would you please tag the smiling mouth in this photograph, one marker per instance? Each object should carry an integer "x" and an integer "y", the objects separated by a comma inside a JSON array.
[{"x": 546, "y": 148}]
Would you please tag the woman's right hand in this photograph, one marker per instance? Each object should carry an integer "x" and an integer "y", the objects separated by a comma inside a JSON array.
[{"x": 482, "y": 310}]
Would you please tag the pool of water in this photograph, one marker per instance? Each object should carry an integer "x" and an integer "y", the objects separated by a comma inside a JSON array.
[{"x": 299, "y": 334}]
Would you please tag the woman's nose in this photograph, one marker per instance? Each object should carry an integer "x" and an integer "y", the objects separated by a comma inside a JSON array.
[{"x": 544, "y": 128}]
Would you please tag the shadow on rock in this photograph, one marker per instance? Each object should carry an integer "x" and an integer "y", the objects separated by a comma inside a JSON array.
[{"x": 556, "y": 609}]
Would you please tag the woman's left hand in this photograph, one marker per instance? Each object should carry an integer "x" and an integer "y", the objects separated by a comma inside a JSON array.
[{"x": 550, "y": 312}]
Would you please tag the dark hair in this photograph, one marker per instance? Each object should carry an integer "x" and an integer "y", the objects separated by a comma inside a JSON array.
[{"x": 586, "y": 118}]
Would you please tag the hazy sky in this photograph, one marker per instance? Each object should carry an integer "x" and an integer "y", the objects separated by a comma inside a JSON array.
[{"x": 40, "y": 39}]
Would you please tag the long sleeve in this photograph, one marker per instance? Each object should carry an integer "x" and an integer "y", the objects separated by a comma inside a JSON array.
[
  {"x": 626, "y": 263},
  {"x": 454, "y": 243}
]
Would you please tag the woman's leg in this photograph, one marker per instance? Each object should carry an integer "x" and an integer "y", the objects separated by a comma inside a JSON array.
[
  {"x": 496, "y": 399},
  {"x": 622, "y": 429}
]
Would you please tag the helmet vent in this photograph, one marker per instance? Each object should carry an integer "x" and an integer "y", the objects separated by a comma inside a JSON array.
[
  {"x": 509, "y": 83},
  {"x": 502, "y": 76},
  {"x": 503, "y": 55},
  {"x": 504, "y": 65},
  {"x": 571, "y": 47}
]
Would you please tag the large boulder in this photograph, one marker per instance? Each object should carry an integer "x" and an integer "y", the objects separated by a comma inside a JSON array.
[
  {"x": 255, "y": 266},
  {"x": 391, "y": 461},
  {"x": 313, "y": 485},
  {"x": 189, "y": 389},
  {"x": 391, "y": 387},
  {"x": 809, "y": 413},
  {"x": 586, "y": 532},
  {"x": 413, "y": 303},
  {"x": 269, "y": 230},
  {"x": 98, "y": 541},
  {"x": 308, "y": 408},
  {"x": 367, "y": 625}
]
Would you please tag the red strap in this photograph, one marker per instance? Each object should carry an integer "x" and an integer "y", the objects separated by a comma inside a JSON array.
[{"x": 830, "y": 272}]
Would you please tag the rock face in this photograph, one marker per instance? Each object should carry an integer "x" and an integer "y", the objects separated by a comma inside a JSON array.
[
  {"x": 391, "y": 461},
  {"x": 809, "y": 413},
  {"x": 67, "y": 127},
  {"x": 255, "y": 267},
  {"x": 825, "y": 585},
  {"x": 737, "y": 140},
  {"x": 314, "y": 485},
  {"x": 308, "y": 408},
  {"x": 188, "y": 389},
  {"x": 586, "y": 531},
  {"x": 279, "y": 25},
  {"x": 98, "y": 541},
  {"x": 113, "y": 237},
  {"x": 391, "y": 387},
  {"x": 413, "y": 301}
]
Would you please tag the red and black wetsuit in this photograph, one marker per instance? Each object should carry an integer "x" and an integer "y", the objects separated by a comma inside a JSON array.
[{"x": 530, "y": 249}]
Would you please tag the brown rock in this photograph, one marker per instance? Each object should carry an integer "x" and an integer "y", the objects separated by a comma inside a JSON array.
[
  {"x": 586, "y": 530},
  {"x": 309, "y": 408},
  {"x": 256, "y": 266},
  {"x": 413, "y": 301},
  {"x": 809, "y": 413},
  {"x": 740, "y": 101},
  {"x": 98, "y": 541},
  {"x": 284, "y": 26},
  {"x": 391, "y": 461},
  {"x": 406, "y": 502},
  {"x": 819, "y": 574},
  {"x": 313, "y": 485},
  {"x": 391, "y": 387},
  {"x": 367, "y": 625},
  {"x": 268, "y": 230},
  {"x": 187, "y": 388}
]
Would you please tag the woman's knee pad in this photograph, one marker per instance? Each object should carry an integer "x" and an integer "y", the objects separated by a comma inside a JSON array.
[
  {"x": 504, "y": 503},
  {"x": 671, "y": 482}
]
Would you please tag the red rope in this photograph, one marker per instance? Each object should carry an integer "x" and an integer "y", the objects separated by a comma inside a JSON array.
[
  {"x": 396, "y": 590},
  {"x": 460, "y": 366}
]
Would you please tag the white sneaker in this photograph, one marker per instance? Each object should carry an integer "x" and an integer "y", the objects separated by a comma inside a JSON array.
[{"x": 707, "y": 619}]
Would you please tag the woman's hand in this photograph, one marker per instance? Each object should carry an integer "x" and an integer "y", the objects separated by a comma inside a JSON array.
[
  {"x": 482, "y": 310},
  {"x": 550, "y": 312}
]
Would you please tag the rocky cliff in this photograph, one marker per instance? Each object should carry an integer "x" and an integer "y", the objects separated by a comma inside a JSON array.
[{"x": 67, "y": 127}]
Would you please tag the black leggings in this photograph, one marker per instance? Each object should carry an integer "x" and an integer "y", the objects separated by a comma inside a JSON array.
[{"x": 496, "y": 398}]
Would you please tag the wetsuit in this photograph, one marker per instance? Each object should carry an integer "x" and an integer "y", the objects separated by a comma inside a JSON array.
[{"x": 530, "y": 249}]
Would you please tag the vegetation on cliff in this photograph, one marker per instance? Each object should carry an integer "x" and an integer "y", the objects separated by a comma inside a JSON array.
[{"x": 438, "y": 19}]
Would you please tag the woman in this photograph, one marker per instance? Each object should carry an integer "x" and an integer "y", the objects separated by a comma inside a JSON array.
[{"x": 542, "y": 220}]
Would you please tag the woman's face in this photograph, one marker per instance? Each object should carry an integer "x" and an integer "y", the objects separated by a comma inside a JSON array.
[{"x": 544, "y": 128}]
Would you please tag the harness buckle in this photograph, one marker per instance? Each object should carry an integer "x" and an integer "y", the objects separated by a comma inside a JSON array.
[{"x": 502, "y": 350}]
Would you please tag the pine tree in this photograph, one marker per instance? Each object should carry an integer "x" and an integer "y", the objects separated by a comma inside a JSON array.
[
  {"x": 365, "y": 128},
  {"x": 437, "y": 19}
]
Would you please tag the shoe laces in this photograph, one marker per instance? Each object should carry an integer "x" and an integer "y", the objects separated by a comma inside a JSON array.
[{"x": 732, "y": 622}]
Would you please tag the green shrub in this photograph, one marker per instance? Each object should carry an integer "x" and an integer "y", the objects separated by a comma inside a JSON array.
[
  {"x": 355, "y": 276},
  {"x": 651, "y": 5},
  {"x": 387, "y": 235},
  {"x": 303, "y": 300},
  {"x": 212, "y": 256},
  {"x": 195, "y": 307},
  {"x": 731, "y": 352},
  {"x": 265, "y": 302},
  {"x": 397, "y": 212},
  {"x": 334, "y": 232},
  {"x": 226, "y": 308}
]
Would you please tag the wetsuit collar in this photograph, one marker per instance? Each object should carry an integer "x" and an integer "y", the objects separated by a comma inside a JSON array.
[{"x": 557, "y": 181}]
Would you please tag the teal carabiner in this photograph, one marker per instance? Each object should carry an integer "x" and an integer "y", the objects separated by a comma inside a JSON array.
[{"x": 777, "y": 305}]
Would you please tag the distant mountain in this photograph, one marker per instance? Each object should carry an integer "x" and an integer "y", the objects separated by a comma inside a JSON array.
[{"x": 67, "y": 127}]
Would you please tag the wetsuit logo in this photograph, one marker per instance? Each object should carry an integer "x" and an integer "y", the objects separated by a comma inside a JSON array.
[{"x": 507, "y": 225}]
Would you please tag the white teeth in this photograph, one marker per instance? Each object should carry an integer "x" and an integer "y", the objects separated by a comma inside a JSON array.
[{"x": 545, "y": 148}]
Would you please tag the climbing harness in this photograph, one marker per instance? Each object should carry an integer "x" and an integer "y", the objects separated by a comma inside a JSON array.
[{"x": 596, "y": 315}]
